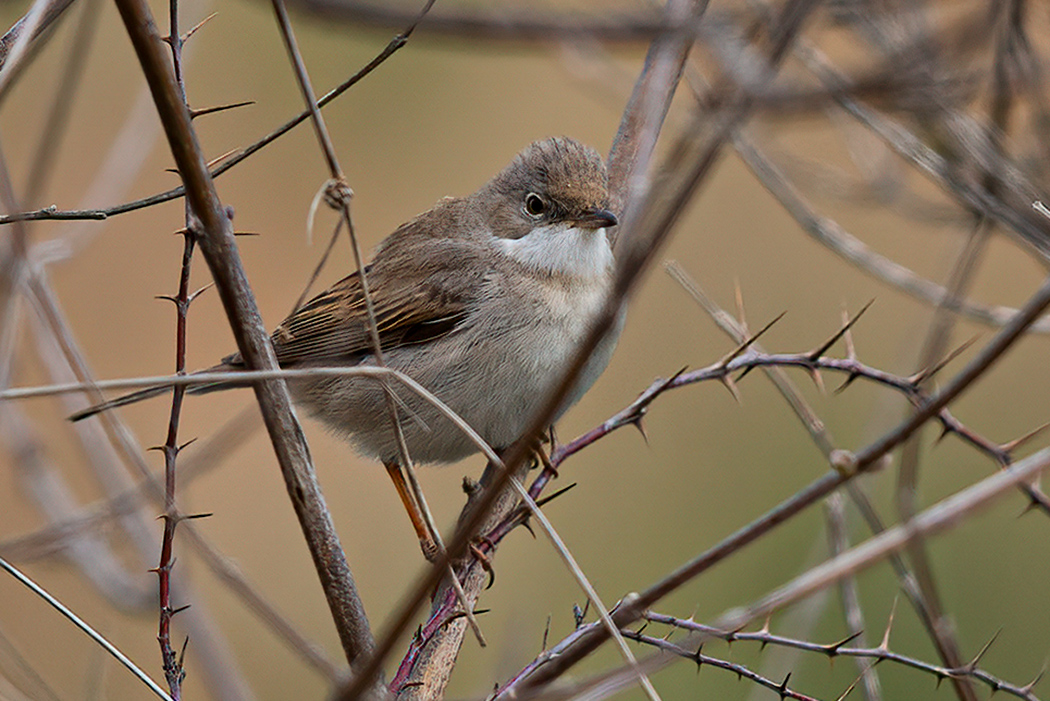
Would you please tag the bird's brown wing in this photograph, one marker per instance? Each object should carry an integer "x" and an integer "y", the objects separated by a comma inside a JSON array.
[{"x": 413, "y": 304}]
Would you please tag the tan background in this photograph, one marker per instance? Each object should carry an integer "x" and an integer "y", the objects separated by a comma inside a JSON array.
[{"x": 438, "y": 119}]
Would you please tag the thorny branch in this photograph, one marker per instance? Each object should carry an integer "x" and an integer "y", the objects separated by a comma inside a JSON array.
[{"x": 841, "y": 648}]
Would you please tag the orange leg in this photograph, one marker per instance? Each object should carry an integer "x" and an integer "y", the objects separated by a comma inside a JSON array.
[{"x": 426, "y": 542}]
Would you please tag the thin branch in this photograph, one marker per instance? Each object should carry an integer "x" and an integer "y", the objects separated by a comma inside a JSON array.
[{"x": 88, "y": 630}]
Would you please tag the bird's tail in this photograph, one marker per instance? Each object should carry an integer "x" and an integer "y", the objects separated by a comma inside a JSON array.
[{"x": 155, "y": 391}]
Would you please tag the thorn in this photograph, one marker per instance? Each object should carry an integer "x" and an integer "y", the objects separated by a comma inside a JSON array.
[
  {"x": 668, "y": 383},
  {"x": 637, "y": 423},
  {"x": 246, "y": 233},
  {"x": 698, "y": 657},
  {"x": 158, "y": 448},
  {"x": 748, "y": 341},
  {"x": 179, "y": 609},
  {"x": 730, "y": 385},
  {"x": 745, "y": 372},
  {"x": 194, "y": 28},
  {"x": 528, "y": 526},
  {"x": 198, "y": 516},
  {"x": 832, "y": 650},
  {"x": 850, "y": 378},
  {"x": 980, "y": 653},
  {"x": 547, "y": 499},
  {"x": 814, "y": 374},
  {"x": 783, "y": 690},
  {"x": 1027, "y": 688},
  {"x": 885, "y": 644},
  {"x": 847, "y": 337},
  {"x": 182, "y": 653},
  {"x": 946, "y": 431},
  {"x": 213, "y": 162},
  {"x": 546, "y": 632},
  {"x": 185, "y": 445},
  {"x": 194, "y": 295},
  {"x": 170, "y": 298},
  {"x": 194, "y": 113},
  {"x": 1018, "y": 442},
  {"x": 923, "y": 375},
  {"x": 819, "y": 351}
]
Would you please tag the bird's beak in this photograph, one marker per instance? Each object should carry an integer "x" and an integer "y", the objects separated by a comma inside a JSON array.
[{"x": 597, "y": 219}]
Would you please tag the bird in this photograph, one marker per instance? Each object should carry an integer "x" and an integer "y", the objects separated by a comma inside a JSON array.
[{"x": 482, "y": 299}]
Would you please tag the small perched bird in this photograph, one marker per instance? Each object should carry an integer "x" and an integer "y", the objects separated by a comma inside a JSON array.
[{"x": 482, "y": 299}]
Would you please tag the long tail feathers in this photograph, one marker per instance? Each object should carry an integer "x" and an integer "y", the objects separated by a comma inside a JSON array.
[
  {"x": 138, "y": 396},
  {"x": 150, "y": 392}
]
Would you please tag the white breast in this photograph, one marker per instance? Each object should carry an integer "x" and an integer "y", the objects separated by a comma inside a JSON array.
[{"x": 561, "y": 248}]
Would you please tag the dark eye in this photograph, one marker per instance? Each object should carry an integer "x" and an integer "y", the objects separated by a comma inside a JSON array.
[{"x": 534, "y": 205}]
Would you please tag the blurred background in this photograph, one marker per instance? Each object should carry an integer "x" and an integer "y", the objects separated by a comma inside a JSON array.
[{"x": 439, "y": 118}]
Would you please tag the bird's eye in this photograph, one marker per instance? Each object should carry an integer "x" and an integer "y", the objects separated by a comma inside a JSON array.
[{"x": 534, "y": 205}]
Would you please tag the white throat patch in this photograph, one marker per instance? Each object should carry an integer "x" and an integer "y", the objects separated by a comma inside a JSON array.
[{"x": 560, "y": 248}]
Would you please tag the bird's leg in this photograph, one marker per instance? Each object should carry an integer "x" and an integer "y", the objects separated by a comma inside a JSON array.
[{"x": 415, "y": 514}]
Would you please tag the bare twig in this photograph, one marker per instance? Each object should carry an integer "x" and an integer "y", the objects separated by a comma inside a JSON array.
[{"x": 88, "y": 630}]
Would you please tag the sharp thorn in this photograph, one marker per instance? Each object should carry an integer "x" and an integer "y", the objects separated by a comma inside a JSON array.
[
  {"x": 730, "y": 385},
  {"x": 820, "y": 350},
  {"x": 197, "y": 293},
  {"x": 885, "y": 644},
  {"x": 924, "y": 375},
  {"x": 194, "y": 113},
  {"x": 528, "y": 526},
  {"x": 814, "y": 374},
  {"x": 547, "y": 499},
  {"x": 1038, "y": 678},
  {"x": 980, "y": 653},
  {"x": 833, "y": 649},
  {"x": 637, "y": 423},
  {"x": 219, "y": 159},
  {"x": 847, "y": 337},
  {"x": 194, "y": 28},
  {"x": 1018, "y": 442},
  {"x": 748, "y": 341},
  {"x": 850, "y": 379}
]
